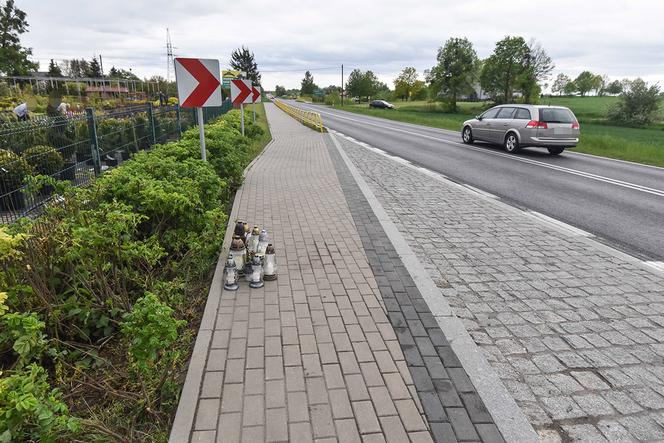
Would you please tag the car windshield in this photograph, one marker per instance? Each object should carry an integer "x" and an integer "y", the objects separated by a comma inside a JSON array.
[{"x": 556, "y": 115}]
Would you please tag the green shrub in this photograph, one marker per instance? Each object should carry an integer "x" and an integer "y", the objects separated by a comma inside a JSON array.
[
  {"x": 151, "y": 329},
  {"x": 638, "y": 105},
  {"x": 31, "y": 410},
  {"x": 13, "y": 170},
  {"x": 43, "y": 159}
]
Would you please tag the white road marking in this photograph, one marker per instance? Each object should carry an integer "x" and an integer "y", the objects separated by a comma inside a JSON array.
[
  {"x": 588, "y": 175},
  {"x": 659, "y": 265},
  {"x": 558, "y": 223}
]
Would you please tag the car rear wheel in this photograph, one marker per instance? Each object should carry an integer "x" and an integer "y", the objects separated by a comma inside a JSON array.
[
  {"x": 467, "y": 135},
  {"x": 511, "y": 143},
  {"x": 555, "y": 151}
]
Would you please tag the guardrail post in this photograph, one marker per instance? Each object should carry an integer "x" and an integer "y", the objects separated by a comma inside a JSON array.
[
  {"x": 94, "y": 142},
  {"x": 151, "y": 119}
]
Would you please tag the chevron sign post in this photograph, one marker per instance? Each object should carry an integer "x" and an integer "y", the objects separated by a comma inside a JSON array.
[
  {"x": 241, "y": 93},
  {"x": 255, "y": 98},
  {"x": 199, "y": 86}
]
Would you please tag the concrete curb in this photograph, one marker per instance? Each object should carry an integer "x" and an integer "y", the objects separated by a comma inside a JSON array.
[
  {"x": 186, "y": 411},
  {"x": 508, "y": 417}
]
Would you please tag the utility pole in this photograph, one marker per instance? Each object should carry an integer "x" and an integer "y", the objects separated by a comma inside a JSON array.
[
  {"x": 101, "y": 66},
  {"x": 342, "y": 86}
]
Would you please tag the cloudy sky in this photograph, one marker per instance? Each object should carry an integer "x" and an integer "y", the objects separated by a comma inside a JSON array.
[{"x": 619, "y": 38}]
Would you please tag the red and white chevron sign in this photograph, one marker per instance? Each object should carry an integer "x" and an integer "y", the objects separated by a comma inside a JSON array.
[
  {"x": 255, "y": 94},
  {"x": 241, "y": 92},
  {"x": 198, "y": 82}
]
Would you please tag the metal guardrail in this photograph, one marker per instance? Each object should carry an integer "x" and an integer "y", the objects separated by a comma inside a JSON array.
[{"x": 308, "y": 118}]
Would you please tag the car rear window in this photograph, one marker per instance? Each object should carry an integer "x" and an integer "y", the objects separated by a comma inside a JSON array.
[
  {"x": 556, "y": 115},
  {"x": 506, "y": 113},
  {"x": 522, "y": 114}
]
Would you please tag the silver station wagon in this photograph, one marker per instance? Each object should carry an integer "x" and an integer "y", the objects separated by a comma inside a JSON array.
[{"x": 520, "y": 126}]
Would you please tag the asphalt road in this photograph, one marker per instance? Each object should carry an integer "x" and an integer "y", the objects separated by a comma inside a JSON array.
[{"x": 620, "y": 203}]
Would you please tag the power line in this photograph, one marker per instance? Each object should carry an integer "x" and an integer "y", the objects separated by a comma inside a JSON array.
[{"x": 326, "y": 68}]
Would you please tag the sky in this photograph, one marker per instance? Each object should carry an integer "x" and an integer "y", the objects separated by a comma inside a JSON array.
[{"x": 618, "y": 38}]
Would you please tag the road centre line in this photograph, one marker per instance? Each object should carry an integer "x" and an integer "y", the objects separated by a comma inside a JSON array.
[{"x": 634, "y": 186}]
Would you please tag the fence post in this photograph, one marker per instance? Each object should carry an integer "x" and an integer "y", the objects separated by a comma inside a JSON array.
[
  {"x": 94, "y": 142},
  {"x": 151, "y": 118},
  {"x": 177, "y": 114}
]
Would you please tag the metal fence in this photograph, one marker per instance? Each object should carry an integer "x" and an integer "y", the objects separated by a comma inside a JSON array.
[{"x": 78, "y": 147}]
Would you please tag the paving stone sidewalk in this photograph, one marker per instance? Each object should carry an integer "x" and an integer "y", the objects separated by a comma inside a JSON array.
[
  {"x": 314, "y": 356},
  {"x": 575, "y": 333}
]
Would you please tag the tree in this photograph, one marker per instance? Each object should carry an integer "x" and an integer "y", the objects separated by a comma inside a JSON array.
[
  {"x": 308, "y": 85},
  {"x": 14, "y": 58},
  {"x": 279, "y": 91},
  {"x": 403, "y": 84},
  {"x": 455, "y": 72},
  {"x": 560, "y": 84},
  {"x": 638, "y": 104},
  {"x": 54, "y": 70},
  {"x": 243, "y": 60},
  {"x": 537, "y": 67},
  {"x": 94, "y": 69},
  {"x": 122, "y": 73},
  {"x": 504, "y": 67},
  {"x": 570, "y": 88},
  {"x": 585, "y": 82},
  {"x": 600, "y": 83},
  {"x": 362, "y": 84},
  {"x": 614, "y": 88}
]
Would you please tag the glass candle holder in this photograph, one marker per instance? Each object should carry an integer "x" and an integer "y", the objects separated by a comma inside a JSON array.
[
  {"x": 230, "y": 274},
  {"x": 256, "y": 273},
  {"x": 270, "y": 264}
]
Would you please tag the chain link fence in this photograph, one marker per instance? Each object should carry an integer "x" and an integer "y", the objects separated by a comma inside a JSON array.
[{"x": 78, "y": 147}]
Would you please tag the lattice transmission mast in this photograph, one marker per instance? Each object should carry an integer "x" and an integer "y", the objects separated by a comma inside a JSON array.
[{"x": 169, "y": 56}]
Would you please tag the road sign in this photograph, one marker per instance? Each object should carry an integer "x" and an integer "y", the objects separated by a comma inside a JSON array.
[
  {"x": 241, "y": 92},
  {"x": 255, "y": 94},
  {"x": 198, "y": 82}
]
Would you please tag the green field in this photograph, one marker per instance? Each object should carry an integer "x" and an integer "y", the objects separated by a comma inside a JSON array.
[{"x": 597, "y": 137}]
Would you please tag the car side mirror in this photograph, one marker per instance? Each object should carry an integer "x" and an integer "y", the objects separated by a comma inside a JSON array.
[{"x": 479, "y": 117}]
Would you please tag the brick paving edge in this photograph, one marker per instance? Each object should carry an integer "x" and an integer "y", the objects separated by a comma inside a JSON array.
[
  {"x": 508, "y": 417},
  {"x": 184, "y": 416}
]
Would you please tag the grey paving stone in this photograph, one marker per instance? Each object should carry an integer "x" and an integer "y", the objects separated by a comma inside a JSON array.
[
  {"x": 207, "y": 414},
  {"x": 463, "y": 427},
  {"x": 366, "y": 418},
  {"x": 300, "y": 432},
  {"x": 347, "y": 431}
]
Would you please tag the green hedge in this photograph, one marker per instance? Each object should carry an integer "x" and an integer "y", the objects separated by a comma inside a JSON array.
[{"x": 95, "y": 295}]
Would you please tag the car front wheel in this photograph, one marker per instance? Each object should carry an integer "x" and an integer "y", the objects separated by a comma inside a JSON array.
[
  {"x": 467, "y": 135},
  {"x": 511, "y": 143},
  {"x": 555, "y": 151}
]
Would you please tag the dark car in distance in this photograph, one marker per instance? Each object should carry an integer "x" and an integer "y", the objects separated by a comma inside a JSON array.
[{"x": 381, "y": 104}]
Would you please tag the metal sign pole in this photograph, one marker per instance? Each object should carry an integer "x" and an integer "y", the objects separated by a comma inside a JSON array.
[
  {"x": 242, "y": 117},
  {"x": 201, "y": 131},
  {"x": 253, "y": 106}
]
